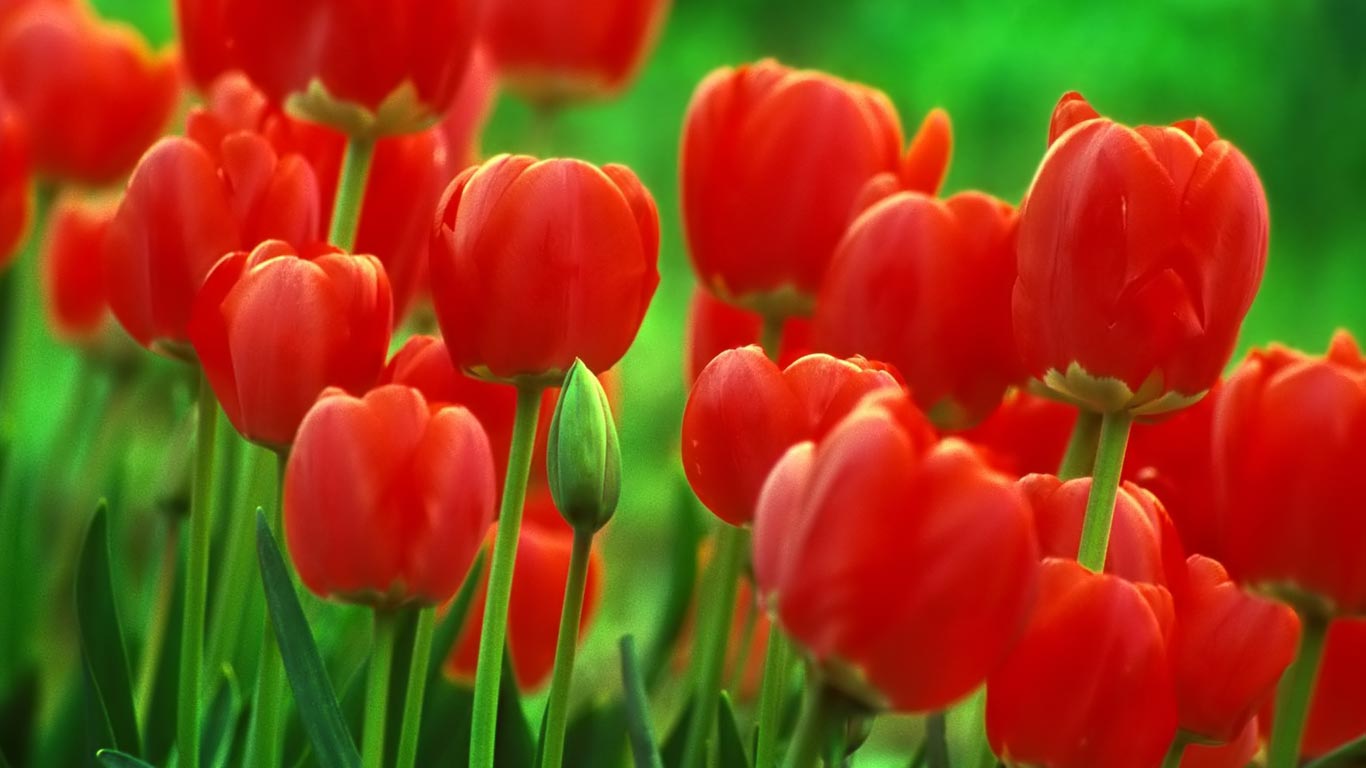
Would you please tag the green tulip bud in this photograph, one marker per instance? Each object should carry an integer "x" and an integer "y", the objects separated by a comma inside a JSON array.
[{"x": 583, "y": 457}]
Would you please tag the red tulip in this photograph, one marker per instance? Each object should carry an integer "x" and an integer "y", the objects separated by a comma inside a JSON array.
[
  {"x": 773, "y": 161},
  {"x": 369, "y": 67},
  {"x": 1025, "y": 434},
  {"x": 715, "y": 326},
  {"x": 1289, "y": 445},
  {"x": 551, "y": 52},
  {"x": 74, "y": 281},
  {"x": 897, "y": 288},
  {"x": 186, "y": 207},
  {"x": 743, "y": 413},
  {"x": 1235, "y": 754},
  {"x": 538, "y": 580},
  {"x": 387, "y": 499},
  {"x": 1228, "y": 650},
  {"x": 276, "y": 327},
  {"x": 16, "y": 183},
  {"x": 206, "y": 46},
  {"x": 469, "y": 109},
  {"x": 1173, "y": 459},
  {"x": 1140, "y": 250},
  {"x": 535, "y": 263},
  {"x": 876, "y": 532},
  {"x": 1144, "y": 546},
  {"x": 91, "y": 92},
  {"x": 10, "y": 9},
  {"x": 1088, "y": 684}
]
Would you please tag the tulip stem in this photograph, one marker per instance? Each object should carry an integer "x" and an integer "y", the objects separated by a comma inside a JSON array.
[
  {"x": 777, "y": 661},
  {"x": 1100, "y": 505},
  {"x": 709, "y": 649},
  {"x": 1294, "y": 693},
  {"x": 489, "y": 670},
  {"x": 263, "y": 731},
  {"x": 936, "y": 740},
  {"x": 417, "y": 688},
  {"x": 818, "y": 708},
  {"x": 196, "y": 580},
  {"x": 1176, "y": 751},
  {"x": 771, "y": 336},
  {"x": 377, "y": 689},
  {"x": 557, "y": 710},
  {"x": 360, "y": 150},
  {"x": 1080, "y": 457}
]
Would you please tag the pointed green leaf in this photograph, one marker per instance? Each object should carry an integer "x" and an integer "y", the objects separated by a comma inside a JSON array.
[
  {"x": 515, "y": 746},
  {"x": 101, "y": 637},
  {"x": 730, "y": 747},
  {"x": 316, "y": 701},
  {"x": 1346, "y": 755},
  {"x": 443, "y": 640},
  {"x": 112, "y": 758},
  {"x": 643, "y": 747}
]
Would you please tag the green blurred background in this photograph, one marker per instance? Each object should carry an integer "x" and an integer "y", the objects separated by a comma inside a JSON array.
[{"x": 1283, "y": 79}]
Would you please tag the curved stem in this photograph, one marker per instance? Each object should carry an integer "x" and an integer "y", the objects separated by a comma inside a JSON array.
[
  {"x": 1100, "y": 506},
  {"x": 161, "y": 619},
  {"x": 1294, "y": 693},
  {"x": 811, "y": 725},
  {"x": 264, "y": 731},
  {"x": 557, "y": 711},
  {"x": 196, "y": 581},
  {"x": 936, "y": 740},
  {"x": 710, "y": 647},
  {"x": 489, "y": 671},
  {"x": 771, "y": 336},
  {"x": 1177, "y": 750},
  {"x": 1080, "y": 457},
  {"x": 360, "y": 150},
  {"x": 377, "y": 690},
  {"x": 777, "y": 660},
  {"x": 417, "y": 688}
]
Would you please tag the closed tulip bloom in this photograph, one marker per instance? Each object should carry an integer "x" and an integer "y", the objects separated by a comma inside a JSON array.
[
  {"x": 469, "y": 110},
  {"x": 1026, "y": 434},
  {"x": 715, "y": 326},
  {"x": 1140, "y": 251},
  {"x": 93, "y": 95},
  {"x": 206, "y": 47},
  {"x": 896, "y": 290},
  {"x": 372, "y": 67},
  {"x": 1088, "y": 684},
  {"x": 535, "y": 263},
  {"x": 1289, "y": 448},
  {"x": 1173, "y": 458},
  {"x": 877, "y": 531},
  {"x": 1144, "y": 546},
  {"x": 551, "y": 52},
  {"x": 744, "y": 412},
  {"x": 1228, "y": 650},
  {"x": 275, "y": 327},
  {"x": 10, "y": 9},
  {"x": 773, "y": 161},
  {"x": 387, "y": 499},
  {"x": 16, "y": 183},
  {"x": 74, "y": 282}
]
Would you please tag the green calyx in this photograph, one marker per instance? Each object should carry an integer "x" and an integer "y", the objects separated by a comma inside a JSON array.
[{"x": 583, "y": 456}]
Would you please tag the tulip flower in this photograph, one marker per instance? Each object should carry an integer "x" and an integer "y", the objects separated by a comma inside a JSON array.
[
  {"x": 1173, "y": 459},
  {"x": 773, "y": 161},
  {"x": 465, "y": 117},
  {"x": 1026, "y": 434},
  {"x": 16, "y": 183},
  {"x": 275, "y": 327},
  {"x": 715, "y": 326},
  {"x": 91, "y": 92},
  {"x": 1238, "y": 753},
  {"x": 73, "y": 266},
  {"x": 744, "y": 413},
  {"x": 1088, "y": 683},
  {"x": 535, "y": 263},
  {"x": 1140, "y": 251},
  {"x": 897, "y": 288},
  {"x": 877, "y": 531},
  {"x": 550, "y": 52}
]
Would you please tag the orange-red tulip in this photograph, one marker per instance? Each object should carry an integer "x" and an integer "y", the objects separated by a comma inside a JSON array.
[
  {"x": 1088, "y": 684},
  {"x": 1235, "y": 754},
  {"x": 773, "y": 162},
  {"x": 91, "y": 92},
  {"x": 73, "y": 266},
  {"x": 1026, "y": 434},
  {"x": 715, "y": 326},
  {"x": 1140, "y": 250},
  {"x": 550, "y": 52},
  {"x": 16, "y": 183},
  {"x": 925, "y": 285},
  {"x": 1173, "y": 458},
  {"x": 535, "y": 263},
  {"x": 275, "y": 327},
  {"x": 877, "y": 531},
  {"x": 387, "y": 499}
]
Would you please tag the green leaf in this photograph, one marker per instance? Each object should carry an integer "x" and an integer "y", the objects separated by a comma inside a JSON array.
[
  {"x": 1346, "y": 755},
  {"x": 730, "y": 747},
  {"x": 515, "y": 746},
  {"x": 101, "y": 637},
  {"x": 443, "y": 640},
  {"x": 112, "y": 758},
  {"x": 690, "y": 526},
  {"x": 643, "y": 747},
  {"x": 313, "y": 694},
  {"x": 676, "y": 741}
]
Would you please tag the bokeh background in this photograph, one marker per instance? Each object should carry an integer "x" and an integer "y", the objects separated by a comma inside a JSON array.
[{"x": 1283, "y": 79}]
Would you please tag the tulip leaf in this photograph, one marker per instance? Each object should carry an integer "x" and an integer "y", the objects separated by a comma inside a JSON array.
[
  {"x": 448, "y": 630},
  {"x": 682, "y": 570},
  {"x": 101, "y": 638},
  {"x": 314, "y": 697},
  {"x": 643, "y": 747},
  {"x": 112, "y": 758},
  {"x": 730, "y": 747},
  {"x": 676, "y": 741},
  {"x": 1346, "y": 755},
  {"x": 4, "y": 762},
  {"x": 224, "y": 722}
]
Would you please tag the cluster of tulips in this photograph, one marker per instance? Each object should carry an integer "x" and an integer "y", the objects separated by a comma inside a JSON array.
[{"x": 952, "y": 445}]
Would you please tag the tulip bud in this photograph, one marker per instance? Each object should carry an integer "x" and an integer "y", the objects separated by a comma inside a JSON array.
[{"x": 583, "y": 456}]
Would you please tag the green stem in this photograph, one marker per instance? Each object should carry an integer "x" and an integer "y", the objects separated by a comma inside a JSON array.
[
  {"x": 161, "y": 620},
  {"x": 837, "y": 740},
  {"x": 360, "y": 150},
  {"x": 377, "y": 689},
  {"x": 417, "y": 688},
  {"x": 264, "y": 732},
  {"x": 1177, "y": 750},
  {"x": 936, "y": 740},
  {"x": 1294, "y": 693},
  {"x": 710, "y": 648},
  {"x": 1100, "y": 506},
  {"x": 489, "y": 670},
  {"x": 1080, "y": 457},
  {"x": 817, "y": 707},
  {"x": 557, "y": 711},
  {"x": 196, "y": 581},
  {"x": 777, "y": 660},
  {"x": 771, "y": 336}
]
